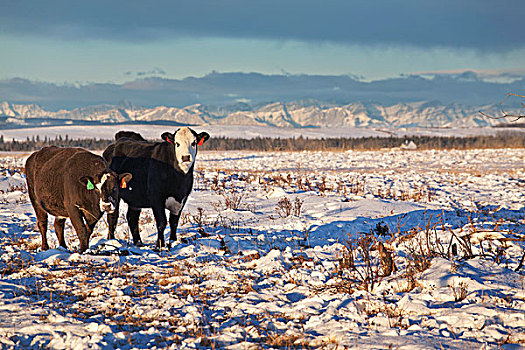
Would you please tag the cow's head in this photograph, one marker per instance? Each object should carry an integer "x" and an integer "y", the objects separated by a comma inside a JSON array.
[
  {"x": 185, "y": 142},
  {"x": 106, "y": 186}
]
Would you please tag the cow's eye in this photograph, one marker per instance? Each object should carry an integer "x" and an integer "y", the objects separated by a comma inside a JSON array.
[
  {"x": 177, "y": 144},
  {"x": 194, "y": 143}
]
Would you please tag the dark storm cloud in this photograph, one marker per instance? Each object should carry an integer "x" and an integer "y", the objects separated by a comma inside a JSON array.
[
  {"x": 223, "y": 89},
  {"x": 479, "y": 24}
]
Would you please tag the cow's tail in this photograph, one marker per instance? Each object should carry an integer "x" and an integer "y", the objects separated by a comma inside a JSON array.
[{"x": 130, "y": 135}]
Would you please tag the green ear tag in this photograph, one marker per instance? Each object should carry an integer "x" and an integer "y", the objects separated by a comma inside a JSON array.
[{"x": 90, "y": 185}]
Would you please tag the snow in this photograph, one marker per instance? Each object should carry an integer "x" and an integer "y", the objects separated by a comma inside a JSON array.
[
  {"x": 150, "y": 131},
  {"x": 254, "y": 270}
]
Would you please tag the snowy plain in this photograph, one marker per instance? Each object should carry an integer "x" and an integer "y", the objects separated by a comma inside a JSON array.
[
  {"x": 151, "y": 131},
  {"x": 282, "y": 250}
]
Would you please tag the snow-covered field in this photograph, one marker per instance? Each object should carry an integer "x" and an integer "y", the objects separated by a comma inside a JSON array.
[
  {"x": 364, "y": 250},
  {"x": 150, "y": 131}
]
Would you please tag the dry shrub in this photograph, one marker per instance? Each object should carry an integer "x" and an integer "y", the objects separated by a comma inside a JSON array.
[
  {"x": 357, "y": 186},
  {"x": 200, "y": 220},
  {"x": 233, "y": 199},
  {"x": 396, "y": 316},
  {"x": 418, "y": 194},
  {"x": 370, "y": 272},
  {"x": 322, "y": 187},
  {"x": 297, "y": 207},
  {"x": 286, "y": 341},
  {"x": 358, "y": 267},
  {"x": 459, "y": 290},
  {"x": 250, "y": 257},
  {"x": 387, "y": 260},
  {"x": 366, "y": 260},
  {"x": 285, "y": 207},
  {"x": 423, "y": 245},
  {"x": 15, "y": 265}
]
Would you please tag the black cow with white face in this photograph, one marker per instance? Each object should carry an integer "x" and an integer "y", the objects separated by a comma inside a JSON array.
[{"x": 162, "y": 177}]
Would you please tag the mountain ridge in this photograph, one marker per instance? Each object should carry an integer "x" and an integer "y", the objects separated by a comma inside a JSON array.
[{"x": 300, "y": 114}]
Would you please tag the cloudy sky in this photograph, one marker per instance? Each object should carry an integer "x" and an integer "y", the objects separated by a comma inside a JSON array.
[{"x": 122, "y": 40}]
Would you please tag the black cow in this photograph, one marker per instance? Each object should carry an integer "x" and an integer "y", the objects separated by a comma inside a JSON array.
[
  {"x": 162, "y": 177},
  {"x": 129, "y": 134},
  {"x": 74, "y": 183}
]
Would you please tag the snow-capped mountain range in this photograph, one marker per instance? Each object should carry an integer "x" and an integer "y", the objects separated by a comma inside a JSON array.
[{"x": 297, "y": 114}]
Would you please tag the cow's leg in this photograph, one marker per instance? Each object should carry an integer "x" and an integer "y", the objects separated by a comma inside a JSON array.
[
  {"x": 174, "y": 223},
  {"x": 112, "y": 221},
  {"x": 91, "y": 222},
  {"x": 175, "y": 213},
  {"x": 83, "y": 232},
  {"x": 41, "y": 214},
  {"x": 133, "y": 222},
  {"x": 160, "y": 219},
  {"x": 59, "y": 230},
  {"x": 41, "y": 218}
]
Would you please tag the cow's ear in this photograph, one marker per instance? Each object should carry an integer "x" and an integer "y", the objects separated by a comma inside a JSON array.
[
  {"x": 168, "y": 137},
  {"x": 202, "y": 137},
  {"x": 124, "y": 179},
  {"x": 88, "y": 182}
]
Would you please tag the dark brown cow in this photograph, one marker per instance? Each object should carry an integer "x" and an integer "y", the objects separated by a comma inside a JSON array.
[{"x": 71, "y": 183}]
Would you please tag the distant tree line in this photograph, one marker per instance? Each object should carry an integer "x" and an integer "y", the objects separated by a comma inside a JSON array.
[
  {"x": 507, "y": 140},
  {"x": 501, "y": 140},
  {"x": 36, "y": 143}
]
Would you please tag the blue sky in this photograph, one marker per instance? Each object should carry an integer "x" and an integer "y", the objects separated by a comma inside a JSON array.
[{"x": 122, "y": 40}]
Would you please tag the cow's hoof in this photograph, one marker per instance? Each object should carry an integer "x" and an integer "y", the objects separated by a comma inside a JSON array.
[
  {"x": 159, "y": 246},
  {"x": 172, "y": 244},
  {"x": 138, "y": 244}
]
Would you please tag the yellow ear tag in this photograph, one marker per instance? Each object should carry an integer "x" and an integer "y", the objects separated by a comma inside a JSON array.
[
  {"x": 123, "y": 183},
  {"x": 90, "y": 185}
]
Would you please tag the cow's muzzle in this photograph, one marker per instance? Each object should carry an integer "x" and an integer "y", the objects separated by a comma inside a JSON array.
[
  {"x": 186, "y": 158},
  {"x": 107, "y": 207}
]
